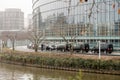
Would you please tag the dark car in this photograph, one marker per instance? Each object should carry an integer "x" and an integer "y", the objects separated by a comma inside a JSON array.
[
  {"x": 77, "y": 47},
  {"x": 84, "y": 47},
  {"x": 61, "y": 47},
  {"x": 104, "y": 47},
  {"x": 49, "y": 47}
]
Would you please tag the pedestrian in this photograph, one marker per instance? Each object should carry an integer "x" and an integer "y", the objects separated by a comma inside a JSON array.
[{"x": 42, "y": 46}]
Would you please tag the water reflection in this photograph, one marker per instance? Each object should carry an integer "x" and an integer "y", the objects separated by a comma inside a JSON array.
[{"x": 14, "y": 72}]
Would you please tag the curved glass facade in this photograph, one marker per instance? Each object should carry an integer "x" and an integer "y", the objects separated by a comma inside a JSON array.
[{"x": 89, "y": 21}]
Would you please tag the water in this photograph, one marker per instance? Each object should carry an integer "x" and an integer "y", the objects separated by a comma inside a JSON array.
[{"x": 15, "y": 72}]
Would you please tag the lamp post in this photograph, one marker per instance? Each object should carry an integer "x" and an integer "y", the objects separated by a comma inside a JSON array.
[{"x": 99, "y": 50}]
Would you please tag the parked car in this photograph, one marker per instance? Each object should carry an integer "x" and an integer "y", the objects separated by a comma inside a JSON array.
[
  {"x": 61, "y": 47},
  {"x": 104, "y": 47},
  {"x": 84, "y": 47},
  {"x": 32, "y": 46},
  {"x": 77, "y": 47},
  {"x": 29, "y": 46}
]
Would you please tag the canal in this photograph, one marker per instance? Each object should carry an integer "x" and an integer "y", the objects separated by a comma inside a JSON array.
[{"x": 15, "y": 72}]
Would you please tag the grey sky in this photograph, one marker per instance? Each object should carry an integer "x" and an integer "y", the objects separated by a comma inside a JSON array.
[{"x": 24, "y": 5}]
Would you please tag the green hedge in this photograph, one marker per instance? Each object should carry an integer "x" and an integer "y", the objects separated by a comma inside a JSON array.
[{"x": 63, "y": 62}]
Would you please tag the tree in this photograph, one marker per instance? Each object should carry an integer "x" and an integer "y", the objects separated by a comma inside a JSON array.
[
  {"x": 12, "y": 36},
  {"x": 95, "y": 7},
  {"x": 36, "y": 37},
  {"x": 68, "y": 35}
]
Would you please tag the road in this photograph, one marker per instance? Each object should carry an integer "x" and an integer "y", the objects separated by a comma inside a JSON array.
[{"x": 25, "y": 49}]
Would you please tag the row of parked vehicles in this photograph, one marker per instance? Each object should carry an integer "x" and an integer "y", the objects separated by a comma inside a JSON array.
[{"x": 76, "y": 47}]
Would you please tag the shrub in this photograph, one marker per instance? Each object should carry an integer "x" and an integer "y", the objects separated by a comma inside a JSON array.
[{"x": 63, "y": 62}]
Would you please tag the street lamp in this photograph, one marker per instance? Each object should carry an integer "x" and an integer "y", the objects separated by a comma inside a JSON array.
[{"x": 99, "y": 49}]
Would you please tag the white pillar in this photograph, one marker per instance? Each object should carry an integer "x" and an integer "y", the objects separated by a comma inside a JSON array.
[{"x": 99, "y": 51}]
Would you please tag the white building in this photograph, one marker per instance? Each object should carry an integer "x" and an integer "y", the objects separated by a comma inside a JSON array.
[
  {"x": 11, "y": 19},
  {"x": 29, "y": 21}
]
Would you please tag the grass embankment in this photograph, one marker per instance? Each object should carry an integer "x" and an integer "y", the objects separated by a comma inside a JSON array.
[{"x": 74, "y": 62}]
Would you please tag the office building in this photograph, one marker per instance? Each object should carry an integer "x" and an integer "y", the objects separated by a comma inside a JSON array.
[
  {"x": 89, "y": 21},
  {"x": 11, "y": 19},
  {"x": 29, "y": 22}
]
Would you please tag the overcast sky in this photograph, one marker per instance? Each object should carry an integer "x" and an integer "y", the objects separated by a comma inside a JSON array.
[{"x": 24, "y": 5}]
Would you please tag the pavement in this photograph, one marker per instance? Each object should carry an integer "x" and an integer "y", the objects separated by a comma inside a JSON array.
[
  {"x": 116, "y": 53},
  {"x": 23, "y": 48}
]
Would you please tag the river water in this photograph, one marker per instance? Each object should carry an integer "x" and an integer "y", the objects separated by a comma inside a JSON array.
[{"x": 16, "y": 72}]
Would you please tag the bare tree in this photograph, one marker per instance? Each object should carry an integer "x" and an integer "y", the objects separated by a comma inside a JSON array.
[
  {"x": 68, "y": 38},
  {"x": 12, "y": 36},
  {"x": 36, "y": 37},
  {"x": 93, "y": 7}
]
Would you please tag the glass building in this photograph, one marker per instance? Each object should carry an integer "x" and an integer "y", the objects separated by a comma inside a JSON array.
[{"x": 78, "y": 20}]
